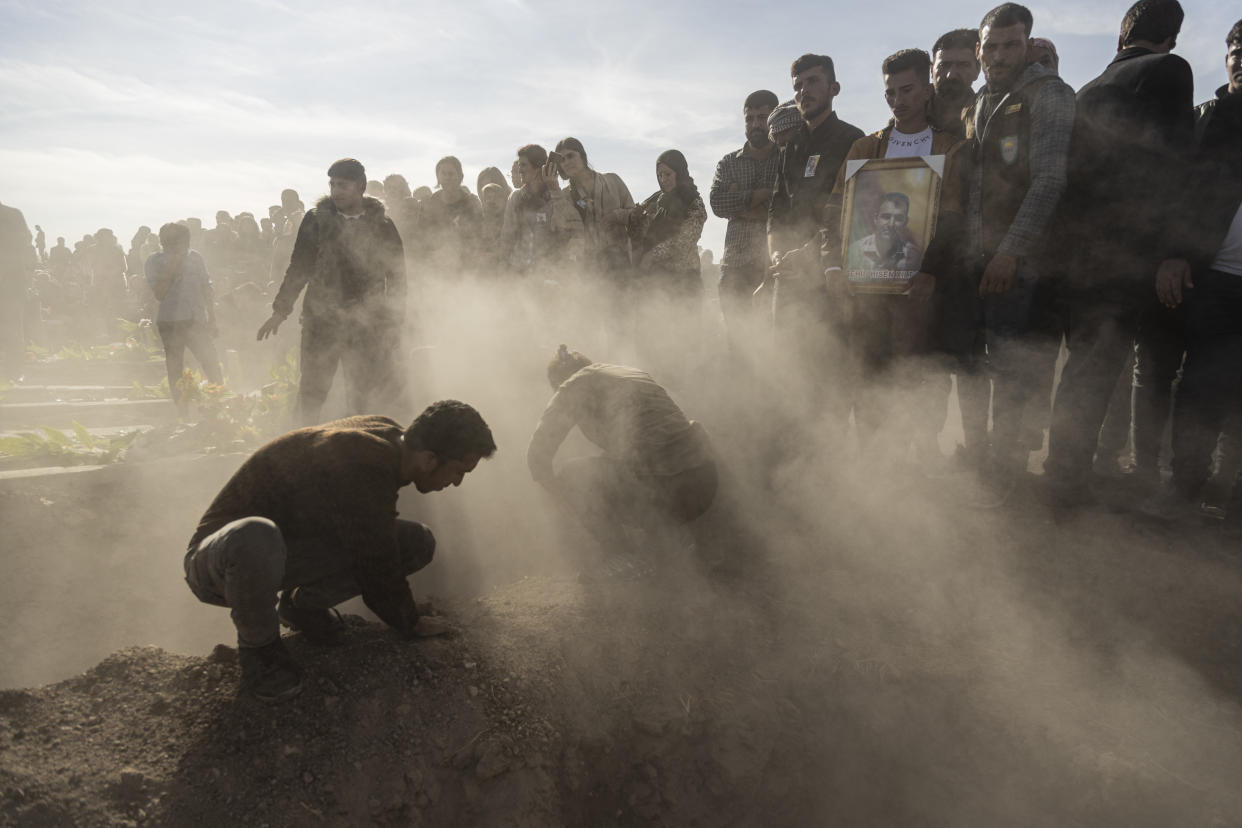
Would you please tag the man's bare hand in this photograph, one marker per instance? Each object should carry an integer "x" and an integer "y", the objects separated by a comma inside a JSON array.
[
  {"x": 1172, "y": 278},
  {"x": 270, "y": 327},
  {"x": 551, "y": 176},
  {"x": 999, "y": 275},
  {"x": 790, "y": 265},
  {"x": 922, "y": 287},
  {"x": 760, "y": 198}
]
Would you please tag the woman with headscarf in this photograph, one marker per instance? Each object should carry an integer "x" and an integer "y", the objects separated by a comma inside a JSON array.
[{"x": 665, "y": 230}]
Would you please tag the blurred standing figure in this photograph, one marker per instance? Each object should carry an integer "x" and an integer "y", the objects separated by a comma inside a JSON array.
[
  {"x": 60, "y": 260},
  {"x": 187, "y": 315},
  {"x": 348, "y": 256},
  {"x": 1211, "y": 290},
  {"x": 741, "y": 189},
  {"x": 1133, "y": 137},
  {"x": 219, "y": 244},
  {"x": 810, "y": 326},
  {"x": 450, "y": 222},
  {"x": 41, "y": 243},
  {"x": 17, "y": 263},
  {"x": 134, "y": 260},
  {"x": 603, "y": 203},
  {"x": 666, "y": 230},
  {"x": 894, "y": 335},
  {"x": 1019, "y": 128},
  {"x": 542, "y": 231},
  {"x": 404, "y": 211},
  {"x": 108, "y": 265},
  {"x": 494, "y": 199}
]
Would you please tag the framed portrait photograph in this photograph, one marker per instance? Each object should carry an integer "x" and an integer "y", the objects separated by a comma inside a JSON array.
[{"x": 889, "y": 213}]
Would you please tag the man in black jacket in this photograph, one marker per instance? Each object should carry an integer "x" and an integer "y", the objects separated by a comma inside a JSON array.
[
  {"x": 349, "y": 257},
  {"x": 810, "y": 324},
  {"x": 1132, "y": 139},
  {"x": 1210, "y": 288}
]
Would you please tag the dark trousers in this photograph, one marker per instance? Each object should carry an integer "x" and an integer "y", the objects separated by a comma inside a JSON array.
[
  {"x": 187, "y": 333},
  {"x": 1211, "y": 387},
  {"x": 371, "y": 359},
  {"x": 1014, "y": 359},
  {"x": 1105, "y": 325},
  {"x": 244, "y": 564},
  {"x": 736, "y": 291},
  {"x": 607, "y": 496},
  {"x": 812, "y": 352},
  {"x": 892, "y": 340}
]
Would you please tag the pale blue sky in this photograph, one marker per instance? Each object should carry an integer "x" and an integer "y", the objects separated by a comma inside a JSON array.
[{"x": 125, "y": 113}]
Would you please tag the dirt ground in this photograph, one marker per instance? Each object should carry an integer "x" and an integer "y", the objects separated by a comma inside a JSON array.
[{"x": 897, "y": 659}]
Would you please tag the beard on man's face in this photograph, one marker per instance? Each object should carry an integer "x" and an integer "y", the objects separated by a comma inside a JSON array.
[
  {"x": 953, "y": 89},
  {"x": 758, "y": 137}
]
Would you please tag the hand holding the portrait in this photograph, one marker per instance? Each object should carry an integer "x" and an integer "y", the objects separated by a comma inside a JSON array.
[{"x": 998, "y": 276}]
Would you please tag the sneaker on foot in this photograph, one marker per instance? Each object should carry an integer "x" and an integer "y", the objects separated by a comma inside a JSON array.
[
  {"x": 269, "y": 673},
  {"x": 319, "y": 626}
]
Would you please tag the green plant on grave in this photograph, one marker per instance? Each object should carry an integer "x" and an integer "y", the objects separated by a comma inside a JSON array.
[
  {"x": 138, "y": 391},
  {"x": 136, "y": 346},
  {"x": 230, "y": 420},
  {"x": 53, "y": 446}
]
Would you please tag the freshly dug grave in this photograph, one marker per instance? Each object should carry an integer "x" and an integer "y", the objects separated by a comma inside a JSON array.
[{"x": 1061, "y": 695}]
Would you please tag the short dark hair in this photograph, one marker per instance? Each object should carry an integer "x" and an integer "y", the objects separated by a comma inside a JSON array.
[
  {"x": 452, "y": 161},
  {"x": 173, "y": 234},
  {"x": 1235, "y": 34},
  {"x": 1006, "y": 15},
  {"x": 957, "y": 39},
  {"x": 534, "y": 154},
  {"x": 451, "y": 430},
  {"x": 895, "y": 198},
  {"x": 761, "y": 98},
  {"x": 565, "y": 364},
  {"x": 907, "y": 59},
  {"x": 1152, "y": 20},
  {"x": 350, "y": 169},
  {"x": 810, "y": 61}
]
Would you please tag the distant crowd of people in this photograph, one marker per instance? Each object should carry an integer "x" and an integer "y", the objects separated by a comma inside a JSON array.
[{"x": 1102, "y": 224}]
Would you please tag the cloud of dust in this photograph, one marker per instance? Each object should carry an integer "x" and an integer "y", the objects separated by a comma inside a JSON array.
[{"x": 905, "y": 653}]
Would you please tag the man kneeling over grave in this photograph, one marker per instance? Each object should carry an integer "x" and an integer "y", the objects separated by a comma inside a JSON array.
[
  {"x": 657, "y": 466},
  {"x": 312, "y": 516}
]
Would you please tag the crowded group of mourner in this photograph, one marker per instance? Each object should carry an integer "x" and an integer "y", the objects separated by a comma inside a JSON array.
[{"x": 1082, "y": 275}]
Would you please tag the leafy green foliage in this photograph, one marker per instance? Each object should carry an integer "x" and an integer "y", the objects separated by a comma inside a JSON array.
[{"x": 53, "y": 447}]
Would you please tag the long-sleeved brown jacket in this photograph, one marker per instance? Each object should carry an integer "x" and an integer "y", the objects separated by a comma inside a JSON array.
[{"x": 337, "y": 482}]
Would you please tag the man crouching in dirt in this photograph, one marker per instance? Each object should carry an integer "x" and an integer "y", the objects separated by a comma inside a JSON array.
[
  {"x": 657, "y": 466},
  {"x": 312, "y": 516}
]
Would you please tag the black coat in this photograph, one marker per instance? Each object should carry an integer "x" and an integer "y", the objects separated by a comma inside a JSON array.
[
  {"x": 1128, "y": 166},
  {"x": 353, "y": 272},
  {"x": 1216, "y": 192}
]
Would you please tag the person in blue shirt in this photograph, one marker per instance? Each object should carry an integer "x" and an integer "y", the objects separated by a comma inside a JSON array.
[{"x": 186, "y": 316}]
